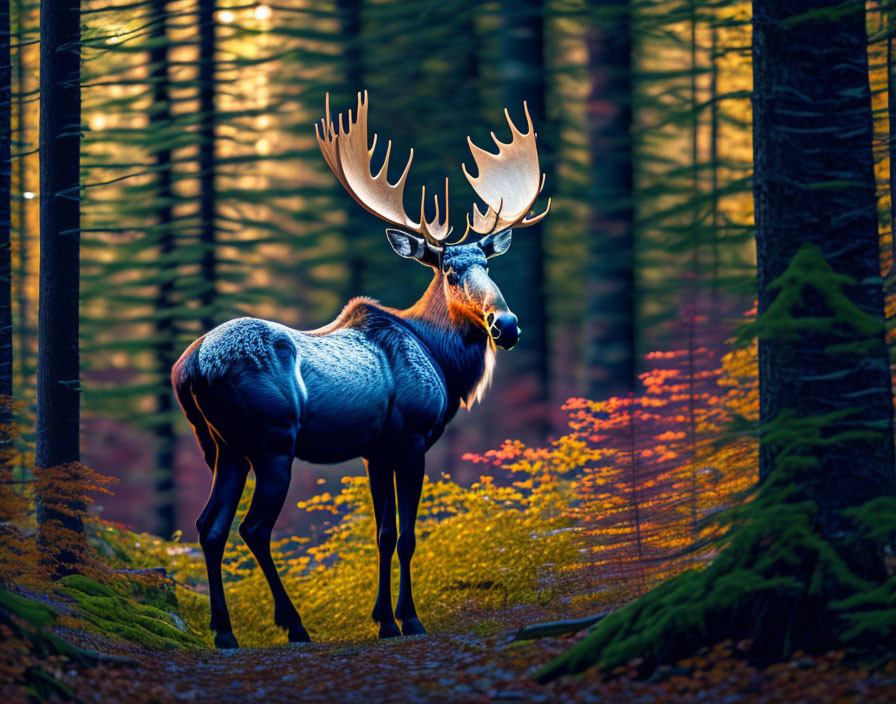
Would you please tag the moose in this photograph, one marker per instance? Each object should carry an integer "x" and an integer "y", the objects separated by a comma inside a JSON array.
[{"x": 376, "y": 383}]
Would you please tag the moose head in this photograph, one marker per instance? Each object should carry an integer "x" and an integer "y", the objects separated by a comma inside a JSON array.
[{"x": 508, "y": 183}]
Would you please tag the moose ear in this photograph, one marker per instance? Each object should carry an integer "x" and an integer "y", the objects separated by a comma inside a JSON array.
[
  {"x": 411, "y": 247},
  {"x": 496, "y": 243}
]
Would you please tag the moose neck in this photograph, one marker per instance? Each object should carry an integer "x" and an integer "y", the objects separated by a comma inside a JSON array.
[{"x": 459, "y": 344}]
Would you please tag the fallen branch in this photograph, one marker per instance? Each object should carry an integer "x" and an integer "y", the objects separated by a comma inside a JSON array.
[{"x": 557, "y": 628}]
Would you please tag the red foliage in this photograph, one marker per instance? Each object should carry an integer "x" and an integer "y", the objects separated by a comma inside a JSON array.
[{"x": 663, "y": 461}]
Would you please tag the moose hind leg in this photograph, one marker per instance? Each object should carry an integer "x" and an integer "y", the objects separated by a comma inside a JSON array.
[
  {"x": 409, "y": 485},
  {"x": 213, "y": 525},
  {"x": 382, "y": 490},
  {"x": 272, "y": 476}
]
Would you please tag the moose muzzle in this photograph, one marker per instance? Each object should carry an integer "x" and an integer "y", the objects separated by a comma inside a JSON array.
[{"x": 504, "y": 329}]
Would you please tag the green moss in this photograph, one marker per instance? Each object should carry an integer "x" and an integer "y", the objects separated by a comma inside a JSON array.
[
  {"x": 113, "y": 614},
  {"x": 154, "y": 590},
  {"x": 39, "y": 618},
  {"x": 85, "y": 585},
  {"x": 34, "y": 612}
]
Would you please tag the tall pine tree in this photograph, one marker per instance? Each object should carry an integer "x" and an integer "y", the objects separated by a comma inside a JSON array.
[
  {"x": 610, "y": 327},
  {"x": 58, "y": 383}
]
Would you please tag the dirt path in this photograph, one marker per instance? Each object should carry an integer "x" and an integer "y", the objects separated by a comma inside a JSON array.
[
  {"x": 460, "y": 668},
  {"x": 430, "y": 668}
]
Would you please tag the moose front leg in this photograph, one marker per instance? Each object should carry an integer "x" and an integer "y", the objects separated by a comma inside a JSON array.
[
  {"x": 381, "y": 474},
  {"x": 409, "y": 485}
]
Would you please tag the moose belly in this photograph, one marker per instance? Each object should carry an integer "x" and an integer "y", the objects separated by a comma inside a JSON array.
[
  {"x": 345, "y": 402},
  {"x": 335, "y": 432}
]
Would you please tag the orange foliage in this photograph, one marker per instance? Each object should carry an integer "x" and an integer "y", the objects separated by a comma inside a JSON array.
[
  {"x": 64, "y": 493},
  {"x": 17, "y": 554},
  {"x": 648, "y": 471},
  {"x": 664, "y": 462}
]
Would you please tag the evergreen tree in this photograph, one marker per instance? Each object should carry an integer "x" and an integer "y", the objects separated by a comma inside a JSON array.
[
  {"x": 814, "y": 183},
  {"x": 207, "y": 162},
  {"x": 58, "y": 384},
  {"x": 350, "y": 30},
  {"x": 166, "y": 354},
  {"x": 6, "y": 347},
  {"x": 522, "y": 73},
  {"x": 610, "y": 328},
  {"x": 801, "y": 570}
]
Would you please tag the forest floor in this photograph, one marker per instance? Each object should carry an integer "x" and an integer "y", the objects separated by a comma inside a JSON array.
[{"x": 482, "y": 665}]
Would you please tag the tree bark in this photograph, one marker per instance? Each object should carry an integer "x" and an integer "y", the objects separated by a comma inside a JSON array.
[
  {"x": 207, "y": 161},
  {"x": 610, "y": 326},
  {"x": 160, "y": 123},
  {"x": 522, "y": 72},
  {"x": 814, "y": 182},
  {"x": 24, "y": 329},
  {"x": 58, "y": 384},
  {"x": 350, "y": 31},
  {"x": 5, "y": 231}
]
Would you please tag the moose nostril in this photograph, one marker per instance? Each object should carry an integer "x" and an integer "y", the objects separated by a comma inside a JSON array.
[{"x": 490, "y": 319}]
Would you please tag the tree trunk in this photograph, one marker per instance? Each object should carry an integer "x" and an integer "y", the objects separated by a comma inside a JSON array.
[
  {"x": 5, "y": 230},
  {"x": 522, "y": 73},
  {"x": 207, "y": 162},
  {"x": 610, "y": 327},
  {"x": 24, "y": 329},
  {"x": 353, "y": 70},
  {"x": 814, "y": 182},
  {"x": 58, "y": 384},
  {"x": 165, "y": 332}
]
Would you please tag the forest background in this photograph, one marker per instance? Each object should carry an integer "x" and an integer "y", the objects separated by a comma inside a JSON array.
[
  {"x": 205, "y": 197},
  {"x": 187, "y": 189}
]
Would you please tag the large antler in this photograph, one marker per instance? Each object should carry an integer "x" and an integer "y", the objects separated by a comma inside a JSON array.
[
  {"x": 348, "y": 155},
  {"x": 508, "y": 182}
]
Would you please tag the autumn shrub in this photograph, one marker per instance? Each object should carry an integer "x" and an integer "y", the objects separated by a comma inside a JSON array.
[
  {"x": 18, "y": 553},
  {"x": 478, "y": 548},
  {"x": 63, "y": 494},
  {"x": 647, "y": 472},
  {"x": 620, "y": 502}
]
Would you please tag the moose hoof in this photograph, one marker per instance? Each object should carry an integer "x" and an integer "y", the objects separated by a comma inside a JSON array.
[
  {"x": 225, "y": 641},
  {"x": 389, "y": 630},
  {"x": 298, "y": 634},
  {"x": 412, "y": 627}
]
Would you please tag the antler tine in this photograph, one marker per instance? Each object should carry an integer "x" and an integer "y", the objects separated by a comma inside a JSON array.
[
  {"x": 508, "y": 182},
  {"x": 348, "y": 155},
  {"x": 434, "y": 230}
]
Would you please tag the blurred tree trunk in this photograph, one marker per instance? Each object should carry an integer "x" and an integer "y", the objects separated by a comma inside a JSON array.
[
  {"x": 891, "y": 133},
  {"x": 522, "y": 72},
  {"x": 356, "y": 222},
  {"x": 5, "y": 231},
  {"x": 207, "y": 161},
  {"x": 160, "y": 125},
  {"x": 24, "y": 330},
  {"x": 58, "y": 383},
  {"x": 814, "y": 182},
  {"x": 610, "y": 325},
  {"x": 714, "y": 312}
]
